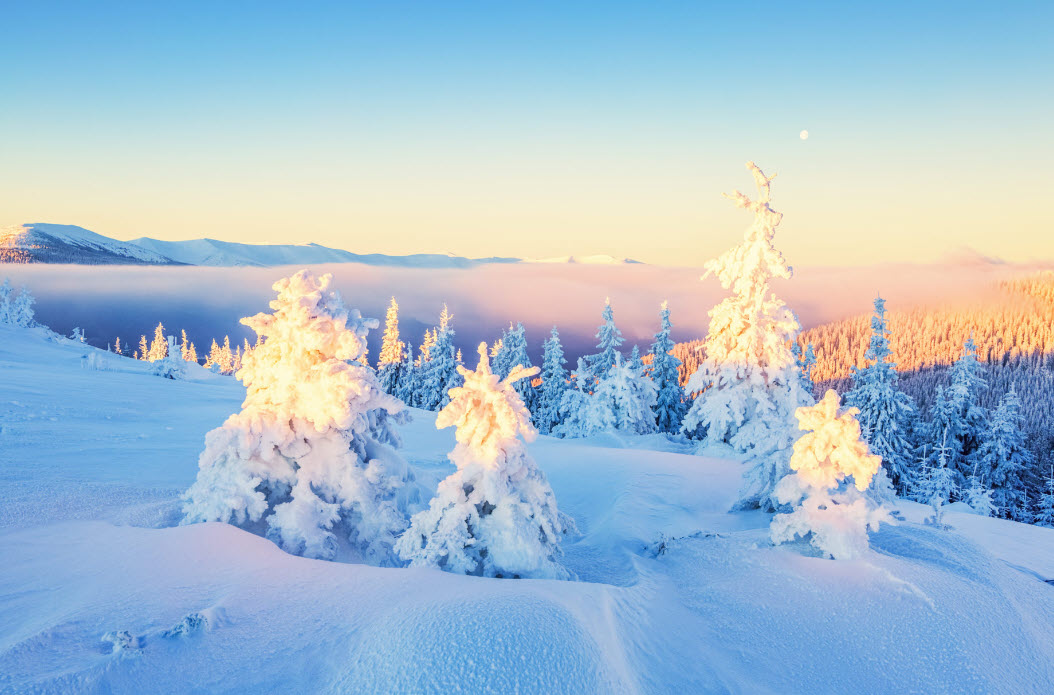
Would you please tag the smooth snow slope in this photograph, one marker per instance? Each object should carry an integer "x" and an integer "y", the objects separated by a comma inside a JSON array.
[{"x": 91, "y": 464}]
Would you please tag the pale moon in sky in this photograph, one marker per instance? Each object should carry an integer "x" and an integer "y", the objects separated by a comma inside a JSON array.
[{"x": 804, "y": 135}]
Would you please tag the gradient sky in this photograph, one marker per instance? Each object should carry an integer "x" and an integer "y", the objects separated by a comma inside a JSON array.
[{"x": 536, "y": 129}]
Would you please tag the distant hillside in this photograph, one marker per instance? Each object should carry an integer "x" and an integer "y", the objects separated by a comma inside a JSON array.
[
  {"x": 213, "y": 252},
  {"x": 64, "y": 243}
]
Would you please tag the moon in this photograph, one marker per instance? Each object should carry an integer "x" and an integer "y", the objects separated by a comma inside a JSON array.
[{"x": 804, "y": 135}]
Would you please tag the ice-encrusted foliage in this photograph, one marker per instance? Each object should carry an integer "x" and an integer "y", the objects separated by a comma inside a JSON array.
[
  {"x": 886, "y": 412},
  {"x": 749, "y": 385},
  {"x": 496, "y": 515},
  {"x": 311, "y": 452},
  {"x": 832, "y": 467},
  {"x": 16, "y": 310},
  {"x": 582, "y": 414},
  {"x": 630, "y": 396}
]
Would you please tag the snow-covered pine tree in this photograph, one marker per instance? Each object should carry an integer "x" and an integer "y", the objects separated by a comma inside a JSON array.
[
  {"x": 1003, "y": 460},
  {"x": 554, "y": 384},
  {"x": 806, "y": 361},
  {"x": 117, "y": 346},
  {"x": 439, "y": 374},
  {"x": 609, "y": 339},
  {"x": 581, "y": 414},
  {"x": 670, "y": 407},
  {"x": 967, "y": 383},
  {"x": 170, "y": 366},
  {"x": 635, "y": 361},
  {"x": 630, "y": 396},
  {"x": 390, "y": 361},
  {"x": 936, "y": 479},
  {"x": 144, "y": 348},
  {"x": 1045, "y": 508},
  {"x": 832, "y": 467},
  {"x": 496, "y": 516},
  {"x": 886, "y": 412},
  {"x": 192, "y": 354},
  {"x": 979, "y": 497},
  {"x": 159, "y": 346},
  {"x": 309, "y": 451},
  {"x": 214, "y": 353},
  {"x": 5, "y": 301},
  {"x": 749, "y": 386},
  {"x": 22, "y": 313},
  {"x": 184, "y": 346},
  {"x": 512, "y": 354},
  {"x": 407, "y": 385}
]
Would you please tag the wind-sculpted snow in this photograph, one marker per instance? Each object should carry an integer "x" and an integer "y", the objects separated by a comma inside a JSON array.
[{"x": 83, "y": 454}]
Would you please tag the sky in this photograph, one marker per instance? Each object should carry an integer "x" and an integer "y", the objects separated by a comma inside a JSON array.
[{"x": 536, "y": 129}]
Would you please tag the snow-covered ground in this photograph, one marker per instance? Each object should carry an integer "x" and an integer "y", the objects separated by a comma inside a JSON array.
[{"x": 101, "y": 591}]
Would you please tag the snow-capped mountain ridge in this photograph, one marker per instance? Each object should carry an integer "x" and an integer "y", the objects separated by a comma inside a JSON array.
[{"x": 66, "y": 243}]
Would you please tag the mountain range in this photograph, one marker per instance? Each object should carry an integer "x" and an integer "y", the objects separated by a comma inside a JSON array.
[{"x": 60, "y": 243}]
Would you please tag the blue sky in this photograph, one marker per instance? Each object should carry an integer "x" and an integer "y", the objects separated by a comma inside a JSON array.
[{"x": 535, "y": 130}]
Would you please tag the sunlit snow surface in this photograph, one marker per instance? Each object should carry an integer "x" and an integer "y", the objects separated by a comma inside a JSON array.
[{"x": 101, "y": 592}]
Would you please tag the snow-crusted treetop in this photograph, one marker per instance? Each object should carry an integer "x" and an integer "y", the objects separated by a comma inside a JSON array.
[
  {"x": 487, "y": 411},
  {"x": 832, "y": 449},
  {"x": 310, "y": 338},
  {"x": 746, "y": 269}
]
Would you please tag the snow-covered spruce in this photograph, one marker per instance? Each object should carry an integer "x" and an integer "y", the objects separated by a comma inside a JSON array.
[
  {"x": 390, "y": 361},
  {"x": 496, "y": 515},
  {"x": 832, "y": 467},
  {"x": 582, "y": 415},
  {"x": 886, "y": 412},
  {"x": 749, "y": 385},
  {"x": 610, "y": 338},
  {"x": 670, "y": 407},
  {"x": 171, "y": 366},
  {"x": 1004, "y": 458},
  {"x": 554, "y": 384},
  {"x": 310, "y": 451},
  {"x": 630, "y": 396},
  {"x": 16, "y": 310}
]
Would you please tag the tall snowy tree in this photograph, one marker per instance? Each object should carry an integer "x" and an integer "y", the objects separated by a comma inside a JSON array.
[
  {"x": 886, "y": 412},
  {"x": 670, "y": 407},
  {"x": 496, "y": 516},
  {"x": 512, "y": 354},
  {"x": 554, "y": 384},
  {"x": 832, "y": 467},
  {"x": 159, "y": 345},
  {"x": 439, "y": 373},
  {"x": 390, "y": 362},
  {"x": 935, "y": 482},
  {"x": 967, "y": 383},
  {"x": 144, "y": 348},
  {"x": 610, "y": 338},
  {"x": 1003, "y": 459},
  {"x": 407, "y": 385},
  {"x": 749, "y": 386},
  {"x": 310, "y": 451}
]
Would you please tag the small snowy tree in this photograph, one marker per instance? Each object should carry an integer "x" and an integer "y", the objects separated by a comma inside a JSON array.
[
  {"x": 144, "y": 348},
  {"x": 5, "y": 301},
  {"x": 886, "y": 412},
  {"x": 936, "y": 480},
  {"x": 496, "y": 516},
  {"x": 554, "y": 384},
  {"x": 117, "y": 346},
  {"x": 582, "y": 415},
  {"x": 832, "y": 467},
  {"x": 979, "y": 497},
  {"x": 670, "y": 407},
  {"x": 1045, "y": 508},
  {"x": 390, "y": 361},
  {"x": 610, "y": 338},
  {"x": 21, "y": 311},
  {"x": 630, "y": 396},
  {"x": 1003, "y": 457},
  {"x": 170, "y": 366},
  {"x": 309, "y": 453},
  {"x": 749, "y": 385}
]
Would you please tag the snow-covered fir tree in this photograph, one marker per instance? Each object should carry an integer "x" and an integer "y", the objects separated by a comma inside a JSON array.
[
  {"x": 1045, "y": 507},
  {"x": 438, "y": 374},
  {"x": 144, "y": 348},
  {"x": 609, "y": 339},
  {"x": 670, "y": 407},
  {"x": 170, "y": 366},
  {"x": 635, "y": 361},
  {"x": 806, "y": 361},
  {"x": 496, "y": 516},
  {"x": 117, "y": 346},
  {"x": 511, "y": 354},
  {"x": 407, "y": 384},
  {"x": 1003, "y": 460},
  {"x": 21, "y": 312},
  {"x": 630, "y": 396},
  {"x": 832, "y": 467},
  {"x": 310, "y": 453},
  {"x": 210, "y": 358},
  {"x": 967, "y": 383},
  {"x": 749, "y": 386},
  {"x": 390, "y": 361},
  {"x": 582, "y": 415},
  {"x": 935, "y": 480},
  {"x": 979, "y": 497},
  {"x": 554, "y": 384},
  {"x": 886, "y": 413},
  {"x": 159, "y": 345},
  {"x": 5, "y": 301}
]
